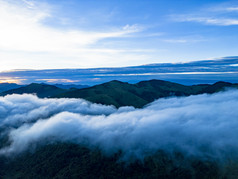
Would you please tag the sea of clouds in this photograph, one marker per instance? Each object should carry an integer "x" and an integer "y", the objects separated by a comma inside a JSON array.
[{"x": 202, "y": 125}]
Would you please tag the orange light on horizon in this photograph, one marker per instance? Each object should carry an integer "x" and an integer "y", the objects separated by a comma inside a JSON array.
[
  {"x": 10, "y": 80},
  {"x": 58, "y": 80}
]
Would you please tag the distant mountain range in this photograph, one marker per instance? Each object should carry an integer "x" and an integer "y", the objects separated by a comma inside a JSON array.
[
  {"x": 119, "y": 93},
  {"x": 42, "y": 89},
  {"x": 186, "y": 73},
  {"x": 9, "y": 86}
]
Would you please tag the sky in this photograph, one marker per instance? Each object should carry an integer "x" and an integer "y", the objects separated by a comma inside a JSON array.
[
  {"x": 187, "y": 73},
  {"x": 59, "y": 34}
]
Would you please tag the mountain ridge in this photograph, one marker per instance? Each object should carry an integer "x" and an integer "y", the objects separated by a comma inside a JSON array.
[
  {"x": 41, "y": 90},
  {"x": 9, "y": 86},
  {"x": 119, "y": 93}
]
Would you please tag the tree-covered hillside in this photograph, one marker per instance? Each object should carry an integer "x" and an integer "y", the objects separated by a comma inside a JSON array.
[
  {"x": 72, "y": 138},
  {"x": 66, "y": 160},
  {"x": 124, "y": 94}
]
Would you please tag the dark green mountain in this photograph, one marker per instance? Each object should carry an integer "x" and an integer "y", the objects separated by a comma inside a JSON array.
[
  {"x": 124, "y": 94},
  {"x": 41, "y": 90},
  {"x": 9, "y": 86},
  {"x": 121, "y": 93},
  {"x": 69, "y": 86},
  {"x": 66, "y": 160}
]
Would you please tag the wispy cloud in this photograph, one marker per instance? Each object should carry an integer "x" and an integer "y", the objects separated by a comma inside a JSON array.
[
  {"x": 58, "y": 80},
  {"x": 227, "y": 8},
  {"x": 209, "y": 20},
  {"x": 11, "y": 80},
  {"x": 232, "y": 9},
  {"x": 185, "y": 40},
  {"x": 205, "y": 71},
  {"x": 219, "y": 15},
  {"x": 25, "y": 37},
  {"x": 22, "y": 29},
  {"x": 30, "y": 4}
]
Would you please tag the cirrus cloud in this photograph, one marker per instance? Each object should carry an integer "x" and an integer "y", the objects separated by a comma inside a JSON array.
[{"x": 27, "y": 41}]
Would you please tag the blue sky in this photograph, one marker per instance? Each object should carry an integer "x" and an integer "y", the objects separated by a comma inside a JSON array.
[{"x": 58, "y": 34}]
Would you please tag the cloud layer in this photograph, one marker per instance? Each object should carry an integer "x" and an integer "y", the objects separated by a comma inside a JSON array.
[
  {"x": 219, "y": 15},
  {"x": 201, "y": 126},
  {"x": 29, "y": 39}
]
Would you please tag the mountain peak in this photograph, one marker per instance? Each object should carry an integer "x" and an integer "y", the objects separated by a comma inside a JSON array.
[{"x": 222, "y": 83}]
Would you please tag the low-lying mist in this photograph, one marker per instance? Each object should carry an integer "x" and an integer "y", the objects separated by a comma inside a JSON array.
[{"x": 204, "y": 126}]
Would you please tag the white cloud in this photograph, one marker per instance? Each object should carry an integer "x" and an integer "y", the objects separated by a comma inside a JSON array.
[
  {"x": 22, "y": 29},
  {"x": 227, "y": 8},
  {"x": 30, "y": 4},
  {"x": 18, "y": 109},
  {"x": 201, "y": 125},
  {"x": 232, "y": 9},
  {"x": 220, "y": 15},
  {"x": 185, "y": 40},
  {"x": 52, "y": 80},
  {"x": 210, "y": 20},
  {"x": 24, "y": 37}
]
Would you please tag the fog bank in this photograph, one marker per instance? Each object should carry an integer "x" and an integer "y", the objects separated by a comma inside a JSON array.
[{"x": 202, "y": 125}]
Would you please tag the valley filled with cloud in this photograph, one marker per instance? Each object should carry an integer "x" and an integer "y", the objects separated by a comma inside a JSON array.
[{"x": 202, "y": 126}]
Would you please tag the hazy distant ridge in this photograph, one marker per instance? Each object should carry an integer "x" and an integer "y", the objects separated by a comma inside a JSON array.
[{"x": 189, "y": 73}]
